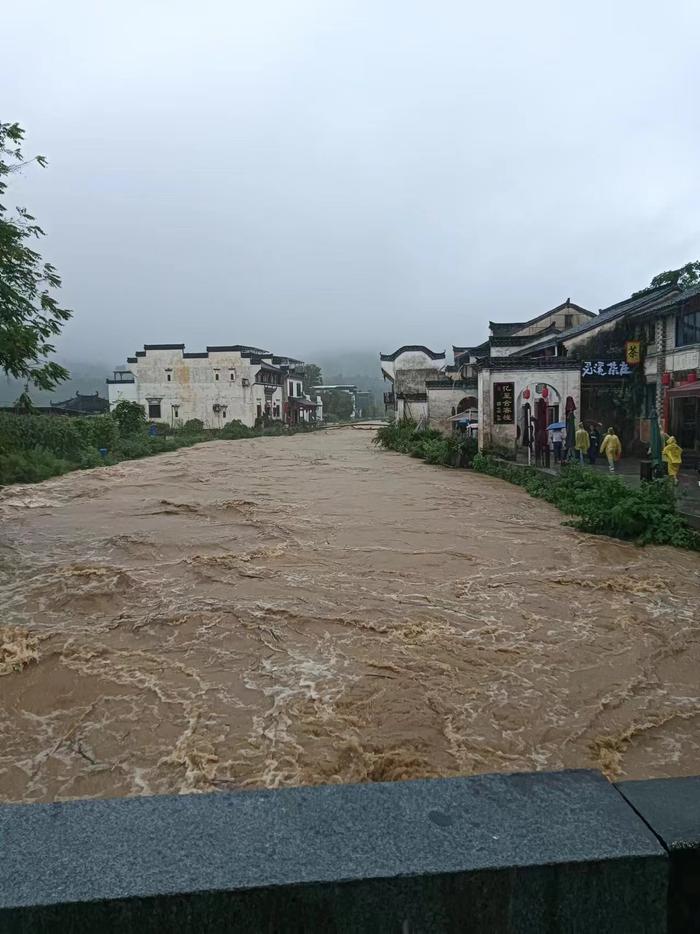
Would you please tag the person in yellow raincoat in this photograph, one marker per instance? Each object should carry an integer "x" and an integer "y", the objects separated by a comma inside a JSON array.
[
  {"x": 673, "y": 455},
  {"x": 583, "y": 442},
  {"x": 611, "y": 448}
]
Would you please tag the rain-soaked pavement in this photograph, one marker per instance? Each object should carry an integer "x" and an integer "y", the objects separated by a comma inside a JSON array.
[{"x": 312, "y": 609}]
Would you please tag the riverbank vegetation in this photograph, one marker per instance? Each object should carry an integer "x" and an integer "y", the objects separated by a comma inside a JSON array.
[
  {"x": 35, "y": 447},
  {"x": 596, "y": 503},
  {"x": 426, "y": 443}
]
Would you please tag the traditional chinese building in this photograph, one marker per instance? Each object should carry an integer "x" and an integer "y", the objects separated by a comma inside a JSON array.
[{"x": 218, "y": 385}]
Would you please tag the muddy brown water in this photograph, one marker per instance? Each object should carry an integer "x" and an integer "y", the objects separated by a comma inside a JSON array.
[{"x": 312, "y": 609}]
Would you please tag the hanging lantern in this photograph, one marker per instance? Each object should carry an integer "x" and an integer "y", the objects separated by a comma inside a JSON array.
[
  {"x": 526, "y": 393},
  {"x": 666, "y": 379},
  {"x": 545, "y": 392}
]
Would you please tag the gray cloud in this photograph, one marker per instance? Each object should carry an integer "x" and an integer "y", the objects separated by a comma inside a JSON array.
[{"x": 311, "y": 175}]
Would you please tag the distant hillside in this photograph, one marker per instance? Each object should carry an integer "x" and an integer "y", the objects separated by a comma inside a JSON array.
[
  {"x": 355, "y": 366},
  {"x": 85, "y": 378}
]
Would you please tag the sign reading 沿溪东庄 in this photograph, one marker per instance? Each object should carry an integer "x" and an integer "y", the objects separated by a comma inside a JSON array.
[
  {"x": 503, "y": 403},
  {"x": 605, "y": 368}
]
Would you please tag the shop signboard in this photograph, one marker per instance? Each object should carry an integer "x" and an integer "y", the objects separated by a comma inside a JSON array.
[
  {"x": 633, "y": 352},
  {"x": 605, "y": 369},
  {"x": 504, "y": 403}
]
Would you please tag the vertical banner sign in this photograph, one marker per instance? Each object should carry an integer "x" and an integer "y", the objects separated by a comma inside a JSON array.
[
  {"x": 633, "y": 352},
  {"x": 503, "y": 403}
]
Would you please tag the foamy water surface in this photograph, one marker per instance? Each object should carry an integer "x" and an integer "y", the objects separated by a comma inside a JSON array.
[{"x": 311, "y": 609}]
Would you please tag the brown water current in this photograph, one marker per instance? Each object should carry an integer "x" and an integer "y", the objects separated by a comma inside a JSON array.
[{"x": 312, "y": 609}]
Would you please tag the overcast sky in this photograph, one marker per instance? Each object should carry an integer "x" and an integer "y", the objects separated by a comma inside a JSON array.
[{"x": 318, "y": 174}]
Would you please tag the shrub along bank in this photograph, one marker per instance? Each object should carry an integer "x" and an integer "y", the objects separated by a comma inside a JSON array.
[
  {"x": 597, "y": 503},
  {"x": 35, "y": 447},
  {"x": 427, "y": 443}
]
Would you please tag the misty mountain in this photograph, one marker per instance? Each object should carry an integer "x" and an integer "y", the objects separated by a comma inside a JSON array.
[{"x": 85, "y": 378}]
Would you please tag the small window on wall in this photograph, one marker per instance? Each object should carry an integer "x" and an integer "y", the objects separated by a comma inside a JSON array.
[
  {"x": 232, "y": 375},
  {"x": 259, "y": 410},
  {"x": 169, "y": 377},
  {"x": 216, "y": 376},
  {"x": 568, "y": 321},
  {"x": 176, "y": 411},
  {"x": 154, "y": 409}
]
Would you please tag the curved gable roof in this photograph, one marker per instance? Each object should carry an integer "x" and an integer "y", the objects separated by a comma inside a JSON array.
[{"x": 413, "y": 348}]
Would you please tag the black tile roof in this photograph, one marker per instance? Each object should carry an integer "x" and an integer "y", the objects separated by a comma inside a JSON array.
[
  {"x": 653, "y": 300},
  {"x": 408, "y": 348},
  {"x": 243, "y": 349},
  {"x": 88, "y": 404},
  {"x": 510, "y": 326},
  {"x": 163, "y": 346}
]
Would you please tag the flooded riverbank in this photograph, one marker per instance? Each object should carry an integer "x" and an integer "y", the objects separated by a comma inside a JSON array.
[{"x": 311, "y": 609}]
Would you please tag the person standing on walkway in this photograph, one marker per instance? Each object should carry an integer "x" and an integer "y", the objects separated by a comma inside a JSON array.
[
  {"x": 557, "y": 442},
  {"x": 673, "y": 455},
  {"x": 593, "y": 450},
  {"x": 611, "y": 448},
  {"x": 583, "y": 442}
]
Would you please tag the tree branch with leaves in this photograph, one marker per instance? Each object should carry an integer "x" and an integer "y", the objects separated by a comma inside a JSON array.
[{"x": 30, "y": 315}]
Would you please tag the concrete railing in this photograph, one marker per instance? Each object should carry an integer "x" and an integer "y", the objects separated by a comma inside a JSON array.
[{"x": 541, "y": 852}]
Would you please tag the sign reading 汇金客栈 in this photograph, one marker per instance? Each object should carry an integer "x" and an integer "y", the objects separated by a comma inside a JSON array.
[{"x": 503, "y": 403}]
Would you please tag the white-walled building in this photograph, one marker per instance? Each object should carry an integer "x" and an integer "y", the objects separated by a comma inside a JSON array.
[
  {"x": 408, "y": 369},
  {"x": 216, "y": 386}
]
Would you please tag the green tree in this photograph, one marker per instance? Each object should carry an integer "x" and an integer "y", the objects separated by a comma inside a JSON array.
[
  {"x": 131, "y": 418},
  {"x": 337, "y": 402},
  {"x": 682, "y": 278},
  {"x": 29, "y": 314},
  {"x": 312, "y": 377}
]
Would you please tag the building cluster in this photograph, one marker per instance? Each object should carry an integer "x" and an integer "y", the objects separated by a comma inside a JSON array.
[
  {"x": 216, "y": 386},
  {"x": 632, "y": 361}
]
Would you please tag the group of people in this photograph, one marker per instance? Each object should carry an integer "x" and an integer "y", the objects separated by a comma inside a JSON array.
[{"x": 589, "y": 444}]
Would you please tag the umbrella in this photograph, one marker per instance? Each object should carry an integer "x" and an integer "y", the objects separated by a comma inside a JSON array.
[
  {"x": 655, "y": 440},
  {"x": 556, "y": 426}
]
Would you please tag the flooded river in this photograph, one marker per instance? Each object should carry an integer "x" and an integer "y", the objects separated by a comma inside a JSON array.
[{"x": 312, "y": 609}]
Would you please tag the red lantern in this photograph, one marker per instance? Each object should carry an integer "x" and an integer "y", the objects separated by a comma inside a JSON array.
[
  {"x": 526, "y": 393},
  {"x": 666, "y": 379},
  {"x": 545, "y": 392}
]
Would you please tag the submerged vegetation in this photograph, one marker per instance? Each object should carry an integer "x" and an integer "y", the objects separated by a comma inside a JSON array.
[
  {"x": 597, "y": 503},
  {"x": 427, "y": 443},
  {"x": 35, "y": 447}
]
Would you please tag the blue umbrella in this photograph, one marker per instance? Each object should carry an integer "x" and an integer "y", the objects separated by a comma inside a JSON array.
[{"x": 556, "y": 426}]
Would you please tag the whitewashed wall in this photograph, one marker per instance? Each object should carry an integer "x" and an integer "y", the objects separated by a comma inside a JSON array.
[
  {"x": 193, "y": 389},
  {"x": 561, "y": 383},
  {"x": 441, "y": 401},
  {"x": 121, "y": 392}
]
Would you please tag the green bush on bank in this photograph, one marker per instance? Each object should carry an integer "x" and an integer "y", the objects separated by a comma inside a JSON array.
[
  {"x": 35, "y": 447},
  {"x": 426, "y": 443},
  {"x": 601, "y": 504}
]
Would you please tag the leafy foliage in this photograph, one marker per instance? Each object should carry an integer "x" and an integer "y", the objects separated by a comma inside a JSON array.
[
  {"x": 35, "y": 447},
  {"x": 193, "y": 425},
  {"x": 131, "y": 418},
  {"x": 427, "y": 443},
  {"x": 683, "y": 278},
  {"x": 30, "y": 315},
  {"x": 337, "y": 403},
  {"x": 603, "y": 505},
  {"x": 312, "y": 377}
]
